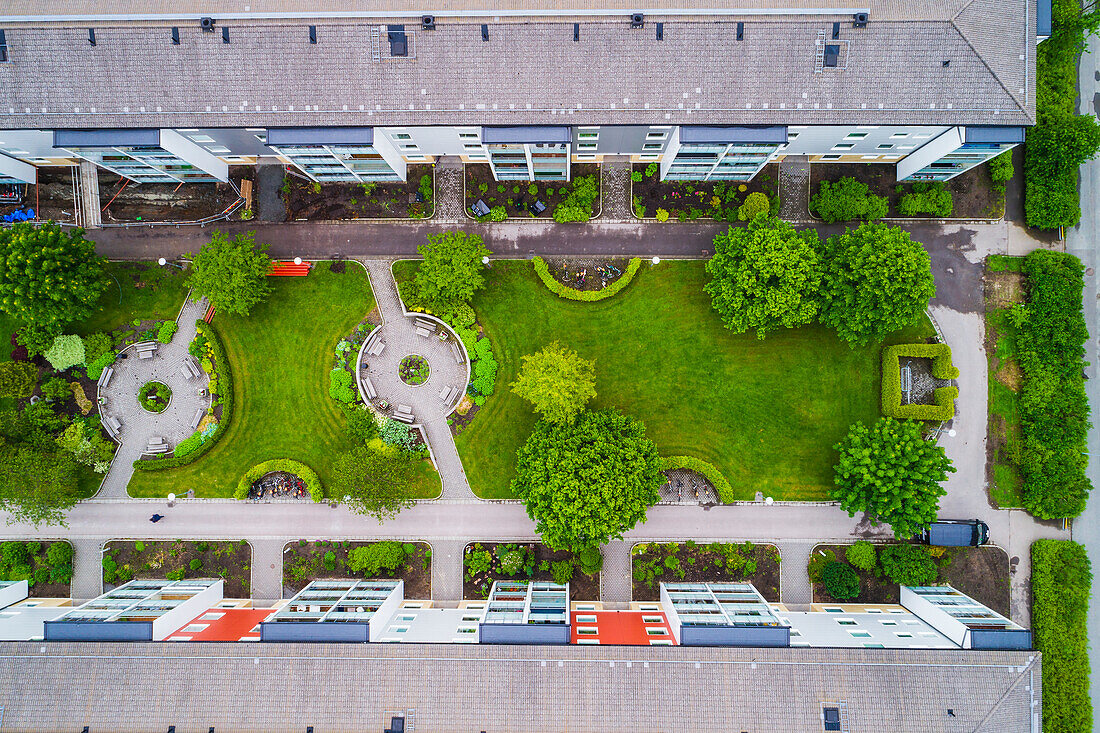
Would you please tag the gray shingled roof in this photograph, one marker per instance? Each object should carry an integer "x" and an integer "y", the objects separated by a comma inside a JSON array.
[
  {"x": 527, "y": 73},
  {"x": 285, "y": 687}
]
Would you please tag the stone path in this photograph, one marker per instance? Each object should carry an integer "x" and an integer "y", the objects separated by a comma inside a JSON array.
[
  {"x": 398, "y": 332},
  {"x": 447, "y": 571},
  {"x": 616, "y": 189},
  {"x": 794, "y": 182},
  {"x": 615, "y": 577},
  {"x": 794, "y": 586},
  {"x": 87, "y": 568},
  {"x": 449, "y": 190},
  {"x": 267, "y": 570},
  {"x": 139, "y": 425}
]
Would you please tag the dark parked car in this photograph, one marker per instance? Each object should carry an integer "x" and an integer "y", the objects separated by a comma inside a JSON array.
[{"x": 956, "y": 533}]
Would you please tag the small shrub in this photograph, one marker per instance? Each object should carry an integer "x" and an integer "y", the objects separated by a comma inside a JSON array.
[
  {"x": 195, "y": 565},
  {"x": 170, "y": 575},
  {"x": 590, "y": 560},
  {"x": 908, "y": 564},
  {"x": 511, "y": 562},
  {"x": 562, "y": 571},
  {"x": 166, "y": 331},
  {"x": 67, "y": 351},
  {"x": 862, "y": 555},
  {"x": 498, "y": 213},
  {"x": 340, "y": 386},
  {"x": 368, "y": 560},
  {"x": 846, "y": 200},
  {"x": 651, "y": 170},
  {"x": 139, "y": 546},
  {"x": 927, "y": 198},
  {"x": 636, "y": 176},
  {"x": 661, "y": 215},
  {"x": 756, "y": 203},
  {"x": 56, "y": 389},
  {"x": 840, "y": 581},
  {"x": 1000, "y": 167},
  {"x": 329, "y": 560},
  {"x": 819, "y": 560}
]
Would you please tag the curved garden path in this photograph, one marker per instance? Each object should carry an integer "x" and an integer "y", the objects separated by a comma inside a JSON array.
[
  {"x": 398, "y": 331},
  {"x": 139, "y": 425}
]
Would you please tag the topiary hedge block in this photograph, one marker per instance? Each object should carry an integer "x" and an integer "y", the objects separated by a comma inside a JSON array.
[
  {"x": 564, "y": 291},
  {"x": 942, "y": 368}
]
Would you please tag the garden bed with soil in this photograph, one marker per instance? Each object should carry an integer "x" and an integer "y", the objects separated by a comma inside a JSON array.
[
  {"x": 305, "y": 561},
  {"x": 972, "y": 192},
  {"x": 515, "y": 196},
  {"x": 980, "y": 572},
  {"x": 536, "y": 556},
  {"x": 689, "y": 200},
  {"x": 587, "y": 273},
  {"x": 124, "y": 560},
  {"x": 153, "y": 202},
  {"x": 689, "y": 562},
  {"x": 48, "y": 572},
  {"x": 51, "y": 198},
  {"x": 1003, "y": 289},
  {"x": 409, "y": 199}
]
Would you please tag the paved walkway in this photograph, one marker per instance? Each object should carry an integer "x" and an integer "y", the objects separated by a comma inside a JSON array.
[
  {"x": 794, "y": 583},
  {"x": 398, "y": 332},
  {"x": 615, "y": 186},
  {"x": 794, "y": 188},
  {"x": 616, "y": 578},
  {"x": 138, "y": 424},
  {"x": 450, "y": 192},
  {"x": 267, "y": 570},
  {"x": 447, "y": 571}
]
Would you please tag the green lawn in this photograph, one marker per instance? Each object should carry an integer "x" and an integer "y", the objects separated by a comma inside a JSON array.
[
  {"x": 281, "y": 356},
  {"x": 767, "y": 413},
  {"x": 146, "y": 290}
]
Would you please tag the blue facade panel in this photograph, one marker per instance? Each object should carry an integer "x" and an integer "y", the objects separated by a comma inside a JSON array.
[
  {"x": 747, "y": 636},
  {"x": 775, "y": 134},
  {"x": 315, "y": 631},
  {"x": 1000, "y": 639},
  {"x": 526, "y": 134},
  {"x": 134, "y": 138},
  {"x": 320, "y": 136},
  {"x": 1003, "y": 135},
  {"x": 524, "y": 633},
  {"x": 99, "y": 631}
]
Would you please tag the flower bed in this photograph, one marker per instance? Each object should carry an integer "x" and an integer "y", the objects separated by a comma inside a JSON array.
[
  {"x": 511, "y": 198},
  {"x": 414, "y": 370},
  {"x": 305, "y": 561},
  {"x": 571, "y": 293},
  {"x": 154, "y": 396},
  {"x": 301, "y": 470},
  {"x": 124, "y": 560},
  {"x": 689, "y": 562},
  {"x": 485, "y": 562},
  {"x": 411, "y": 199},
  {"x": 690, "y": 200}
]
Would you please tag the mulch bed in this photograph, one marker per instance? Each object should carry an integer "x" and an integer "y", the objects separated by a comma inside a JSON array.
[
  {"x": 51, "y": 198},
  {"x": 682, "y": 199},
  {"x": 460, "y": 421},
  {"x": 334, "y": 201},
  {"x": 303, "y": 562},
  {"x": 972, "y": 192},
  {"x": 980, "y": 572},
  {"x": 701, "y": 564},
  {"x": 166, "y": 201},
  {"x": 515, "y": 196},
  {"x": 594, "y": 270},
  {"x": 581, "y": 587},
  {"x": 230, "y": 561}
]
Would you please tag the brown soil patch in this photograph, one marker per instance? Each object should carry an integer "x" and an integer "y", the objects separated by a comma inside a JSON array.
[
  {"x": 124, "y": 201},
  {"x": 872, "y": 588},
  {"x": 51, "y": 198},
  {"x": 702, "y": 563},
  {"x": 1003, "y": 289},
  {"x": 230, "y": 561},
  {"x": 332, "y": 201},
  {"x": 581, "y": 587},
  {"x": 515, "y": 196},
  {"x": 40, "y": 568},
  {"x": 304, "y": 562},
  {"x": 1009, "y": 374},
  {"x": 685, "y": 200}
]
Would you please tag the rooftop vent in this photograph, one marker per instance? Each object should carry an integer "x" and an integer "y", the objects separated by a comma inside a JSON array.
[
  {"x": 859, "y": 20},
  {"x": 484, "y": 32},
  {"x": 740, "y": 31},
  {"x": 832, "y": 718},
  {"x": 427, "y": 22},
  {"x": 637, "y": 20},
  {"x": 175, "y": 36},
  {"x": 225, "y": 34},
  {"x": 576, "y": 32},
  {"x": 660, "y": 31},
  {"x": 832, "y": 56},
  {"x": 946, "y": 63},
  {"x": 313, "y": 34},
  {"x": 399, "y": 42},
  {"x": 91, "y": 36},
  {"x": 207, "y": 24},
  {"x": 836, "y": 31}
]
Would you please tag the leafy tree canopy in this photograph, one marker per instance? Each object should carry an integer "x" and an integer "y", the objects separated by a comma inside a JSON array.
[
  {"x": 765, "y": 276},
  {"x": 49, "y": 276},
  {"x": 877, "y": 281},
  {"x": 587, "y": 482},
  {"x": 17, "y": 379},
  {"x": 893, "y": 474},
  {"x": 451, "y": 271},
  {"x": 37, "y": 485},
  {"x": 557, "y": 382},
  {"x": 909, "y": 565},
  {"x": 374, "y": 482},
  {"x": 231, "y": 273},
  {"x": 1063, "y": 142},
  {"x": 847, "y": 199}
]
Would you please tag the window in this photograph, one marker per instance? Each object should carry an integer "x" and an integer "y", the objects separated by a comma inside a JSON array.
[
  {"x": 651, "y": 146},
  {"x": 588, "y": 641},
  {"x": 651, "y": 620},
  {"x": 468, "y": 135},
  {"x": 903, "y": 635},
  {"x": 471, "y": 146},
  {"x": 648, "y": 157},
  {"x": 889, "y": 623},
  {"x": 874, "y": 610},
  {"x": 656, "y": 135},
  {"x": 831, "y": 718},
  {"x": 855, "y": 136},
  {"x": 467, "y": 630},
  {"x": 588, "y": 135},
  {"x": 406, "y": 618},
  {"x": 202, "y": 138},
  {"x": 218, "y": 149},
  {"x": 860, "y": 634},
  {"x": 398, "y": 629},
  {"x": 846, "y": 622},
  {"x": 586, "y": 146},
  {"x": 660, "y": 642},
  {"x": 873, "y": 645},
  {"x": 906, "y": 147},
  {"x": 831, "y": 157},
  {"x": 792, "y": 135},
  {"x": 656, "y": 632},
  {"x": 831, "y": 609},
  {"x": 885, "y": 146},
  {"x": 844, "y": 146},
  {"x": 588, "y": 607},
  {"x": 588, "y": 631},
  {"x": 410, "y": 146},
  {"x": 586, "y": 619},
  {"x": 470, "y": 617},
  {"x": 402, "y": 136},
  {"x": 899, "y": 135},
  {"x": 586, "y": 157},
  {"x": 3, "y": 47},
  {"x": 211, "y": 616},
  {"x": 869, "y": 157},
  {"x": 193, "y": 628}
]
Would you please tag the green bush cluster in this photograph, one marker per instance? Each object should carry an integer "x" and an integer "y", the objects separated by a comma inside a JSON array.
[
  {"x": 397, "y": 434},
  {"x": 708, "y": 471},
  {"x": 942, "y": 368},
  {"x": 299, "y": 469},
  {"x": 498, "y": 213},
  {"x": 840, "y": 581},
  {"x": 340, "y": 386},
  {"x": 166, "y": 331},
  {"x": 67, "y": 351},
  {"x": 188, "y": 445},
  {"x": 578, "y": 204},
  {"x": 1061, "y": 580},
  {"x": 207, "y": 338},
  {"x": 756, "y": 203},
  {"x": 27, "y": 561},
  {"x": 483, "y": 365},
  {"x": 1053, "y": 407},
  {"x": 908, "y": 564},
  {"x": 99, "y": 353},
  {"x": 564, "y": 291},
  {"x": 847, "y": 200},
  {"x": 862, "y": 555},
  {"x": 369, "y": 559},
  {"x": 17, "y": 379},
  {"x": 1001, "y": 169},
  {"x": 927, "y": 198}
]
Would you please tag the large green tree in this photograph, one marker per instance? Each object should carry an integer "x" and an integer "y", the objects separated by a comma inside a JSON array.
[
  {"x": 587, "y": 482},
  {"x": 49, "y": 276},
  {"x": 877, "y": 281},
  {"x": 231, "y": 273},
  {"x": 557, "y": 382},
  {"x": 374, "y": 482},
  {"x": 892, "y": 473},
  {"x": 451, "y": 271},
  {"x": 765, "y": 276},
  {"x": 17, "y": 379}
]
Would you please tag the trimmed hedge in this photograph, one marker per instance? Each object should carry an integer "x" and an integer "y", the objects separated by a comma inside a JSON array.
[
  {"x": 224, "y": 376},
  {"x": 564, "y": 291},
  {"x": 1061, "y": 580},
  {"x": 709, "y": 471},
  {"x": 299, "y": 469},
  {"x": 942, "y": 368}
]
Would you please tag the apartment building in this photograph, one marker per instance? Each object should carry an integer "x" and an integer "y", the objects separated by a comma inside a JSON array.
[{"x": 347, "y": 92}]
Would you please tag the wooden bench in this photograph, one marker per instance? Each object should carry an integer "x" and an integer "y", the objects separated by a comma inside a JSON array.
[
  {"x": 403, "y": 417},
  {"x": 157, "y": 444},
  {"x": 197, "y": 418},
  {"x": 457, "y": 351},
  {"x": 447, "y": 394},
  {"x": 368, "y": 387},
  {"x": 423, "y": 332},
  {"x": 425, "y": 323},
  {"x": 105, "y": 377},
  {"x": 907, "y": 381}
]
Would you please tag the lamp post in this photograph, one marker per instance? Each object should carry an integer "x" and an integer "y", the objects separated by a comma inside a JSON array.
[
  {"x": 656, "y": 260},
  {"x": 162, "y": 262},
  {"x": 297, "y": 260}
]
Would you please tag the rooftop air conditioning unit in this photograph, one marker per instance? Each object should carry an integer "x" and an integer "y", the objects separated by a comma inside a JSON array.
[
  {"x": 427, "y": 22},
  {"x": 859, "y": 20},
  {"x": 207, "y": 24},
  {"x": 637, "y": 20}
]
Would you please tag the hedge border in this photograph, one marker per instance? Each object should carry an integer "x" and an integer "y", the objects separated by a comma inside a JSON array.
[
  {"x": 299, "y": 469},
  {"x": 588, "y": 296},
  {"x": 1059, "y": 620},
  {"x": 942, "y": 368},
  {"x": 225, "y": 384},
  {"x": 708, "y": 470}
]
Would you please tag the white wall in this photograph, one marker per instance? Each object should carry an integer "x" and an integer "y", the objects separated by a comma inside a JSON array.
[
  {"x": 14, "y": 593},
  {"x": 381, "y": 618},
  {"x": 187, "y": 610}
]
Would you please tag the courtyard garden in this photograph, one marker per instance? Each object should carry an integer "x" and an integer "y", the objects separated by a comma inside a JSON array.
[
  {"x": 715, "y": 562},
  {"x": 691, "y": 200},
  {"x": 485, "y": 562},
  {"x": 307, "y": 560},
  {"x": 409, "y": 199},
  {"x": 280, "y": 356},
  {"x": 663, "y": 355},
  {"x": 46, "y": 566},
  {"x": 124, "y": 560},
  {"x": 577, "y": 199}
]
